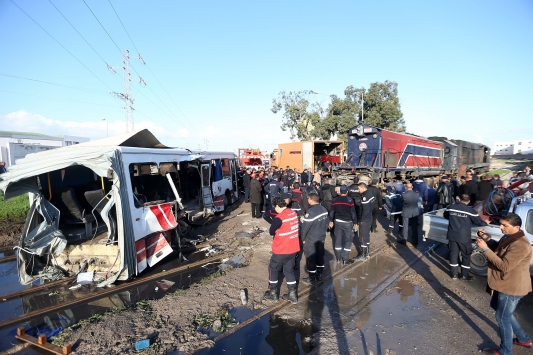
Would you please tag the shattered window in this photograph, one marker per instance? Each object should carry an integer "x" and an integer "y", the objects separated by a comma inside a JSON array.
[{"x": 149, "y": 185}]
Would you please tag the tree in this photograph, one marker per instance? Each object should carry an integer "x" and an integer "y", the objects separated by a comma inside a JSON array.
[
  {"x": 308, "y": 121},
  {"x": 381, "y": 109},
  {"x": 300, "y": 116}
]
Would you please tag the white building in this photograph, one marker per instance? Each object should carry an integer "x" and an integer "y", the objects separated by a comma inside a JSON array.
[
  {"x": 524, "y": 146},
  {"x": 16, "y": 145}
]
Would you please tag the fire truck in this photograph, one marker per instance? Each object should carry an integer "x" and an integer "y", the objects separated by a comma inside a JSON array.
[{"x": 253, "y": 158}]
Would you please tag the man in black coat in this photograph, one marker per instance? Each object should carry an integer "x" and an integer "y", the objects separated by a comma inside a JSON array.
[
  {"x": 470, "y": 188},
  {"x": 327, "y": 194},
  {"x": 376, "y": 192},
  {"x": 246, "y": 179},
  {"x": 305, "y": 178},
  {"x": 365, "y": 222},
  {"x": 461, "y": 217},
  {"x": 256, "y": 196},
  {"x": 485, "y": 187},
  {"x": 410, "y": 214},
  {"x": 445, "y": 192},
  {"x": 342, "y": 216}
]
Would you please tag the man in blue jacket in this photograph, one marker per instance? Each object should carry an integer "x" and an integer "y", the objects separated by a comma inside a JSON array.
[
  {"x": 420, "y": 187},
  {"x": 393, "y": 199}
]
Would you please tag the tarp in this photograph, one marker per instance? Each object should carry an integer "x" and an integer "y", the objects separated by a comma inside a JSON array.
[{"x": 95, "y": 155}]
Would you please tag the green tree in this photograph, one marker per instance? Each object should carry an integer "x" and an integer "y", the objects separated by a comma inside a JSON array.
[
  {"x": 306, "y": 120},
  {"x": 300, "y": 116}
]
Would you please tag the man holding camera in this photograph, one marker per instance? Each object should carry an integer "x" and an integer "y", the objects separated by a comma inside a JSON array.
[{"x": 508, "y": 279}]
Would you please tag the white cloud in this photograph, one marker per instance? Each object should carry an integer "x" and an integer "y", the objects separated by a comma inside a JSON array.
[{"x": 230, "y": 137}]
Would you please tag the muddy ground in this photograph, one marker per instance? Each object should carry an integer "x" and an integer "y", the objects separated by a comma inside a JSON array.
[{"x": 10, "y": 233}]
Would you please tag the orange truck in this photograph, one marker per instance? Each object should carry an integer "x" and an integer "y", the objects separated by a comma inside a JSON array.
[{"x": 308, "y": 155}]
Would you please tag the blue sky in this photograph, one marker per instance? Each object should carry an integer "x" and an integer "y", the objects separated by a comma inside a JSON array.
[{"x": 463, "y": 68}]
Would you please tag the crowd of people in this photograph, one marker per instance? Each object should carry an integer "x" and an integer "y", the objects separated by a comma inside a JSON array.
[{"x": 301, "y": 207}]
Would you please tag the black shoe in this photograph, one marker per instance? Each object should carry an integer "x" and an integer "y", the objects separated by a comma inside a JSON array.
[
  {"x": 271, "y": 295},
  {"x": 402, "y": 242},
  {"x": 309, "y": 280},
  {"x": 360, "y": 257},
  {"x": 467, "y": 278},
  {"x": 454, "y": 277},
  {"x": 347, "y": 262},
  {"x": 292, "y": 296}
]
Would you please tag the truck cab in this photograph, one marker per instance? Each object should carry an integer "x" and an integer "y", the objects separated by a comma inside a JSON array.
[{"x": 435, "y": 227}]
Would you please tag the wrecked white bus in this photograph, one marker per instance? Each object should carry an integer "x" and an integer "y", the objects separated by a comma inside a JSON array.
[{"x": 113, "y": 206}]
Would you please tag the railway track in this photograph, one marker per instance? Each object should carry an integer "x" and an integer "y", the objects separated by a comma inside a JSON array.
[{"x": 96, "y": 295}]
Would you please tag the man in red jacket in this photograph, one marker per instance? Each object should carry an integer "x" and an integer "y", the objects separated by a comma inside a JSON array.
[{"x": 285, "y": 246}]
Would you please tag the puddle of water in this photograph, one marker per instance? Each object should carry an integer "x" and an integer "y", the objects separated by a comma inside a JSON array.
[
  {"x": 268, "y": 335},
  {"x": 9, "y": 279}
]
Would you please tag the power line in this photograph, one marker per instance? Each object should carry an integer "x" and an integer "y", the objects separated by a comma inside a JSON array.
[
  {"x": 101, "y": 92},
  {"x": 94, "y": 50},
  {"x": 57, "y": 98},
  {"x": 148, "y": 67},
  {"x": 62, "y": 46}
]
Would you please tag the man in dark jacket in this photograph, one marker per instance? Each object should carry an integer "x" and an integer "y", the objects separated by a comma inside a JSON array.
[
  {"x": 256, "y": 196},
  {"x": 461, "y": 217},
  {"x": 353, "y": 192},
  {"x": 393, "y": 199},
  {"x": 274, "y": 188},
  {"x": 246, "y": 180},
  {"x": 342, "y": 216},
  {"x": 376, "y": 192},
  {"x": 327, "y": 194},
  {"x": 469, "y": 188},
  {"x": 297, "y": 196},
  {"x": 410, "y": 213},
  {"x": 305, "y": 177},
  {"x": 365, "y": 222},
  {"x": 484, "y": 187},
  {"x": 445, "y": 192},
  {"x": 313, "y": 234}
]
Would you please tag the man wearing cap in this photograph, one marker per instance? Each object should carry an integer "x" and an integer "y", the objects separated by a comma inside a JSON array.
[
  {"x": 313, "y": 234},
  {"x": 445, "y": 192},
  {"x": 342, "y": 216},
  {"x": 285, "y": 246}
]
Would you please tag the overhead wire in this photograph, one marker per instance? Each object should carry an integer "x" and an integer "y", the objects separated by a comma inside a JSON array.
[
  {"x": 57, "y": 98},
  {"x": 101, "y": 92},
  {"x": 148, "y": 67},
  {"x": 78, "y": 32},
  {"x": 135, "y": 70},
  {"x": 62, "y": 46}
]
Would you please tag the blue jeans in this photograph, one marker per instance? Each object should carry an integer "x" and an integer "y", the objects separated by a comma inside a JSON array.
[
  {"x": 246, "y": 194},
  {"x": 505, "y": 305}
]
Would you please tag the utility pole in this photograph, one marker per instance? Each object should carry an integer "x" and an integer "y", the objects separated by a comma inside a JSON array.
[
  {"x": 362, "y": 106},
  {"x": 126, "y": 95}
]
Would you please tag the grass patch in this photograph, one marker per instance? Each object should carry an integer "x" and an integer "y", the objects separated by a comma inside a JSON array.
[
  {"x": 226, "y": 321},
  {"x": 14, "y": 210},
  {"x": 500, "y": 172}
]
